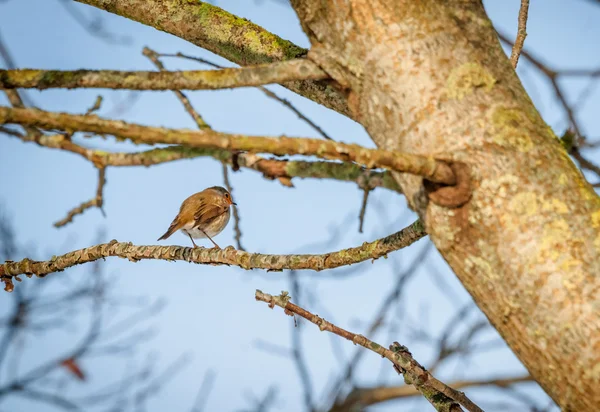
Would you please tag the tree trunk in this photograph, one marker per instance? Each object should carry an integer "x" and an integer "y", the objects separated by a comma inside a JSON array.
[{"x": 430, "y": 77}]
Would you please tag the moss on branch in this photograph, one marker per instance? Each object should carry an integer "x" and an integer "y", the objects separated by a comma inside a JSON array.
[
  {"x": 427, "y": 167},
  {"x": 228, "y": 256},
  {"x": 278, "y": 72},
  {"x": 229, "y": 36}
]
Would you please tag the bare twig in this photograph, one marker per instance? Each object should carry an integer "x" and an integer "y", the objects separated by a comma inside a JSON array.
[
  {"x": 200, "y": 122},
  {"x": 97, "y": 201},
  {"x": 521, "y": 33},
  {"x": 363, "y": 209},
  {"x": 263, "y": 89},
  {"x": 385, "y": 305},
  {"x": 436, "y": 392},
  {"x": 371, "y": 396},
  {"x": 273, "y": 73},
  {"x": 236, "y": 215},
  {"x": 431, "y": 169},
  {"x": 298, "y": 353},
  {"x": 228, "y": 256},
  {"x": 204, "y": 391}
]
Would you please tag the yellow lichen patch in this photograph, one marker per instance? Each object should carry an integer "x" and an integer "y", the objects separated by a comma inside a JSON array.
[
  {"x": 509, "y": 128},
  {"x": 490, "y": 196},
  {"x": 596, "y": 219},
  {"x": 555, "y": 206},
  {"x": 464, "y": 79},
  {"x": 524, "y": 204},
  {"x": 597, "y": 242},
  {"x": 563, "y": 179},
  {"x": 555, "y": 238},
  {"x": 481, "y": 266}
]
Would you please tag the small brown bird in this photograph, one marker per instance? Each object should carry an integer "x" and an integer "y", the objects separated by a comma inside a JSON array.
[{"x": 203, "y": 215}]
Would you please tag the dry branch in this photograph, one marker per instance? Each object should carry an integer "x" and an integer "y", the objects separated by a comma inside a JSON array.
[
  {"x": 278, "y": 72},
  {"x": 521, "y": 33},
  {"x": 97, "y": 201},
  {"x": 228, "y": 256},
  {"x": 441, "y": 396},
  {"x": 428, "y": 167}
]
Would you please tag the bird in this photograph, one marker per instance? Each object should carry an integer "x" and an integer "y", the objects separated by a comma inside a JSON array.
[{"x": 203, "y": 215}]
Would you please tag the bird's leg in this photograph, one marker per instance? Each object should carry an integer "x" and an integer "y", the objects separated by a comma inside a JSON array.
[
  {"x": 206, "y": 234},
  {"x": 192, "y": 241}
]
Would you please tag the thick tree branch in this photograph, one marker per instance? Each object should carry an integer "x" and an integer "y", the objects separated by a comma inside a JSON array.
[
  {"x": 427, "y": 167},
  {"x": 270, "y": 168},
  {"x": 278, "y": 72},
  {"x": 228, "y": 256},
  {"x": 441, "y": 396},
  {"x": 226, "y": 35}
]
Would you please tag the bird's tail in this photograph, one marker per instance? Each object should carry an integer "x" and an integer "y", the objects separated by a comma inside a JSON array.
[{"x": 172, "y": 229}]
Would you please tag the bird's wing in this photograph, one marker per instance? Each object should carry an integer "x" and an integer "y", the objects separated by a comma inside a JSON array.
[{"x": 206, "y": 213}]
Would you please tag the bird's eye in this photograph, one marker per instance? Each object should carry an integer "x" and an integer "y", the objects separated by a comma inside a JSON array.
[{"x": 226, "y": 194}]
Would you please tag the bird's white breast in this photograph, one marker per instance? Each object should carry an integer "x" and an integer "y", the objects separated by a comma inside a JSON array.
[{"x": 215, "y": 227}]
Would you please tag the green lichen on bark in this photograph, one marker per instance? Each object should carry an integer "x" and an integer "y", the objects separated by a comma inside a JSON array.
[
  {"x": 234, "y": 38},
  {"x": 464, "y": 79},
  {"x": 257, "y": 75},
  {"x": 227, "y": 256}
]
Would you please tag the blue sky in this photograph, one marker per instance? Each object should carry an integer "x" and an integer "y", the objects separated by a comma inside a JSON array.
[{"x": 211, "y": 312}]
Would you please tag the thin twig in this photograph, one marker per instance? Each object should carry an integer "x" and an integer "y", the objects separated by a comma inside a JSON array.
[
  {"x": 436, "y": 392},
  {"x": 521, "y": 33},
  {"x": 97, "y": 201},
  {"x": 298, "y": 353},
  {"x": 371, "y": 396},
  {"x": 204, "y": 391},
  {"x": 236, "y": 215},
  {"x": 363, "y": 209},
  {"x": 229, "y": 256},
  {"x": 263, "y": 89},
  {"x": 200, "y": 122}
]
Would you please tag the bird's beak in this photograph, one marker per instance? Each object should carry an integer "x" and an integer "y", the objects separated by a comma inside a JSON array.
[{"x": 233, "y": 203}]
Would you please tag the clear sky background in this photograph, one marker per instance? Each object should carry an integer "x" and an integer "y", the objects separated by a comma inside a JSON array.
[{"x": 211, "y": 312}]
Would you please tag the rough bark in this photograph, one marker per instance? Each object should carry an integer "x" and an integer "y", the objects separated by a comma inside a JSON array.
[
  {"x": 227, "y": 256},
  {"x": 258, "y": 75},
  {"x": 229, "y": 36},
  {"x": 430, "y": 77},
  {"x": 436, "y": 171}
]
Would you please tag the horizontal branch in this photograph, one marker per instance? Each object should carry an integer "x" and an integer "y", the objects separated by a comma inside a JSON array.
[
  {"x": 229, "y": 36},
  {"x": 270, "y": 168},
  {"x": 228, "y": 256},
  {"x": 278, "y": 72},
  {"x": 440, "y": 395},
  {"x": 364, "y": 397},
  {"x": 429, "y": 168}
]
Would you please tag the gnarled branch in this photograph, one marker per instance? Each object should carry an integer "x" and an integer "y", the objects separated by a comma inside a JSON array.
[
  {"x": 431, "y": 169},
  {"x": 278, "y": 72},
  {"x": 228, "y": 256}
]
